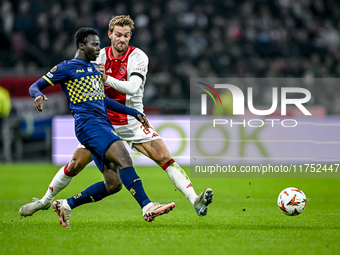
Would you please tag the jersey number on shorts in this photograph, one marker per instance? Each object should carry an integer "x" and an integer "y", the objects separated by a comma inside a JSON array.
[{"x": 144, "y": 130}]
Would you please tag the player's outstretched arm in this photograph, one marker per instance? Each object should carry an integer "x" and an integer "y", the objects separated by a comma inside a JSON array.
[
  {"x": 117, "y": 107},
  {"x": 39, "y": 97}
]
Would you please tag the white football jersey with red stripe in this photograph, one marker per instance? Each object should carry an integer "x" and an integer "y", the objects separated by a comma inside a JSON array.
[{"x": 133, "y": 62}]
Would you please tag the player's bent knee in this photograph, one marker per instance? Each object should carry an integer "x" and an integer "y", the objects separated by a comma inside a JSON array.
[{"x": 114, "y": 188}]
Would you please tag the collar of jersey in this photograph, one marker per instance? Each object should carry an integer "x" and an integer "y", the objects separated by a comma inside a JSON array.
[
  {"x": 122, "y": 58},
  {"x": 82, "y": 60}
]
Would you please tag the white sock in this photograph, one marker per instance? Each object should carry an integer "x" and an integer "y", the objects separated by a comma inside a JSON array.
[
  {"x": 181, "y": 181},
  {"x": 58, "y": 183},
  {"x": 146, "y": 207},
  {"x": 66, "y": 205}
]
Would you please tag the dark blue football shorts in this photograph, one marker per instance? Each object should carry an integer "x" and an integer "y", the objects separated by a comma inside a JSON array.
[{"x": 97, "y": 137}]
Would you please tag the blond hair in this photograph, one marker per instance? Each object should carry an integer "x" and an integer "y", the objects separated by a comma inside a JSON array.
[{"x": 122, "y": 21}]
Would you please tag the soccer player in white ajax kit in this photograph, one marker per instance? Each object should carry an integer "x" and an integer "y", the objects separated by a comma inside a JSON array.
[{"x": 124, "y": 70}]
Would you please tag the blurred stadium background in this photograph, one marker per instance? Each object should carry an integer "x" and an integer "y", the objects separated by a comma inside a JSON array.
[{"x": 183, "y": 38}]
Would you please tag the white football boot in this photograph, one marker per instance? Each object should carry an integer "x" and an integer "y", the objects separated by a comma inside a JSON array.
[
  {"x": 202, "y": 201},
  {"x": 157, "y": 209},
  {"x": 31, "y": 208}
]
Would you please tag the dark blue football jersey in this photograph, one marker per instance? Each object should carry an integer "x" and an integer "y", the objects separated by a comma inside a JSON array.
[
  {"x": 82, "y": 84},
  {"x": 81, "y": 81}
]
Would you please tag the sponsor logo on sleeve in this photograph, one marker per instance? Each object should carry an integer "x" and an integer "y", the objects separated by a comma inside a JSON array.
[
  {"x": 54, "y": 69},
  {"x": 49, "y": 75}
]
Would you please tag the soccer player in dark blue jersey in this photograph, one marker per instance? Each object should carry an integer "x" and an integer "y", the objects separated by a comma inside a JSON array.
[{"x": 81, "y": 81}]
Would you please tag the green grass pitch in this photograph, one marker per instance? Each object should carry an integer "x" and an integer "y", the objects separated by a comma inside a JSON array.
[{"x": 243, "y": 219}]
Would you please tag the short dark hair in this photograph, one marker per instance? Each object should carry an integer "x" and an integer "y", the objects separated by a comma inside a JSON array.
[{"x": 82, "y": 34}]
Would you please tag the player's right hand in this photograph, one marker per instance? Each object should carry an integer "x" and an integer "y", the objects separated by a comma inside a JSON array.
[
  {"x": 102, "y": 72},
  {"x": 38, "y": 103}
]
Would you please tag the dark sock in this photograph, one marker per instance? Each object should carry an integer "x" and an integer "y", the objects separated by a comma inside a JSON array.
[
  {"x": 94, "y": 193},
  {"x": 132, "y": 182}
]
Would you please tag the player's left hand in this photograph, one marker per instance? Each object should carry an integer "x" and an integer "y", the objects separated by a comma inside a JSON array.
[
  {"x": 144, "y": 121},
  {"x": 102, "y": 72},
  {"x": 38, "y": 102}
]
